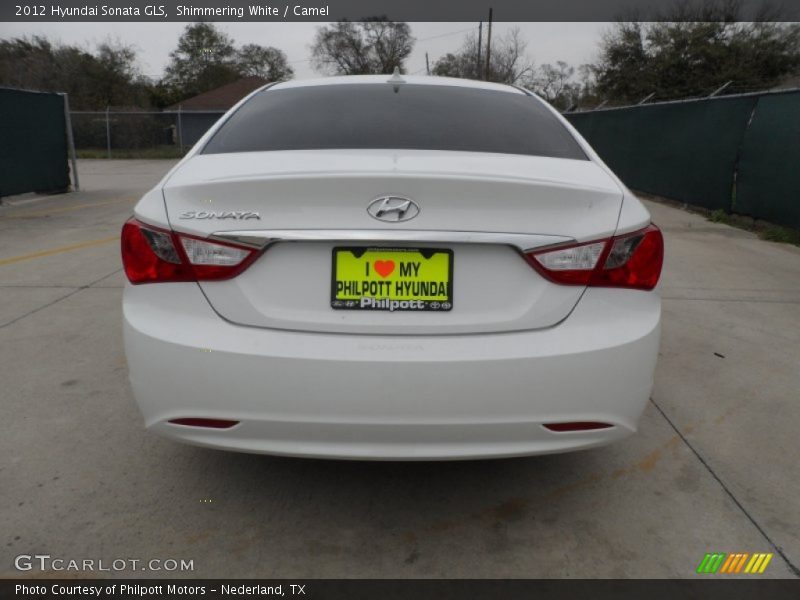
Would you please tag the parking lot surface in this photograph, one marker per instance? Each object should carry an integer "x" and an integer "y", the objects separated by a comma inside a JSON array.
[{"x": 714, "y": 467}]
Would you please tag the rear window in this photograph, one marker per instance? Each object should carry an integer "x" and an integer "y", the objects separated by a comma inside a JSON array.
[{"x": 386, "y": 116}]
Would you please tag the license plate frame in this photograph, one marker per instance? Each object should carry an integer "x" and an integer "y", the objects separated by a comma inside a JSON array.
[{"x": 351, "y": 299}]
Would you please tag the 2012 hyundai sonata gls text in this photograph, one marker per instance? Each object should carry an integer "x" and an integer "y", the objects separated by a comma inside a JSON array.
[{"x": 380, "y": 267}]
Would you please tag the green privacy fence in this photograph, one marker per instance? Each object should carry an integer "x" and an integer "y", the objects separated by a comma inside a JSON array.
[
  {"x": 33, "y": 152},
  {"x": 768, "y": 179},
  {"x": 738, "y": 153}
]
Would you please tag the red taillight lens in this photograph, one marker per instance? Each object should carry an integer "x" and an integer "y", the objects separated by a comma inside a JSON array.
[
  {"x": 632, "y": 260},
  {"x": 151, "y": 254}
]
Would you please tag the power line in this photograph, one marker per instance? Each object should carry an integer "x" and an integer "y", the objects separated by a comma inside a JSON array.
[{"x": 441, "y": 35}]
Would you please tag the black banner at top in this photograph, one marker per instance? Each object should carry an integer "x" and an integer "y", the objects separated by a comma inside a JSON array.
[{"x": 335, "y": 10}]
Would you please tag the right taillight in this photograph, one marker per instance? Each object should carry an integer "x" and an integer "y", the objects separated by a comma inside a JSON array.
[
  {"x": 632, "y": 260},
  {"x": 152, "y": 255}
]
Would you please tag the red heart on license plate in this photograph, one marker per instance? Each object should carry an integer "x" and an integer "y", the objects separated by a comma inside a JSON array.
[{"x": 384, "y": 268}]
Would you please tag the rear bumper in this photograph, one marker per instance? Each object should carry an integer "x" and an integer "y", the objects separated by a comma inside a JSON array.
[{"x": 380, "y": 397}]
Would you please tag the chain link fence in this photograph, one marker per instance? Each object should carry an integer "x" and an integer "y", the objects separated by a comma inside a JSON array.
[{"x": 139, "y": 134}]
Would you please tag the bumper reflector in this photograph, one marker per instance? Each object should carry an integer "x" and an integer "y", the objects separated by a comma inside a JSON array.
[
  {"x": 210, "y": 423},
  {"x": 577, "y": 426}
]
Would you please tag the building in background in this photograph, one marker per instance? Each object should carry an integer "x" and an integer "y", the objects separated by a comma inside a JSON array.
[{"x": 195, "y": 115}]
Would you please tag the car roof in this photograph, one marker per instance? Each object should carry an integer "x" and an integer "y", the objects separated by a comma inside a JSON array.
[{"x": 408, "y": 79}]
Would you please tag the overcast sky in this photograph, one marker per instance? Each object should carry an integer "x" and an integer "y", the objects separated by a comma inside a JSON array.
[{"x": 574, "y": 43}]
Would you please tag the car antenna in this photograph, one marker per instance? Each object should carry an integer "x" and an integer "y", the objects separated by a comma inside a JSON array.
[{"x": 396, "y": 79}]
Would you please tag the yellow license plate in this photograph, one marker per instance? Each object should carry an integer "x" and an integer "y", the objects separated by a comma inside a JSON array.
[{"x": 393, "y": 279}]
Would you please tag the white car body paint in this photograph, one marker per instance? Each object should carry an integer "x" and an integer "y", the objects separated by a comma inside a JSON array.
[{"x": 517, "y": 350}]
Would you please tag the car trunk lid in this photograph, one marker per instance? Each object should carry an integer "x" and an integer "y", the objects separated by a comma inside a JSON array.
[{"x": 483, "y": 207}]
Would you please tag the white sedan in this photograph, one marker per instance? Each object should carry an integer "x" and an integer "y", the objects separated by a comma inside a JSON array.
[{"x": 377, "y": 267}]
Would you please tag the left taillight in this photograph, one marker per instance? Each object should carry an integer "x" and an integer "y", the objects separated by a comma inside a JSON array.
[
  {"x": 631, "y": 260},
  {"x": 152, "y": 255}
]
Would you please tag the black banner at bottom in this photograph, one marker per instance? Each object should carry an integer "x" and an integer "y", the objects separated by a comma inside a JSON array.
[{"x": 389, "y": 589}]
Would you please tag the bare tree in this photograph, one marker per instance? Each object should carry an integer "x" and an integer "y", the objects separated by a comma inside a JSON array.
[
  {"x": 555, "y": 84},
  {"x": 372, "y": 46},
  {"x": 509, "y": 62}
]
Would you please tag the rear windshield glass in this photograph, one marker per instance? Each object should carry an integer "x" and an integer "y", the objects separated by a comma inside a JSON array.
[{"x": 386, "y": 116}]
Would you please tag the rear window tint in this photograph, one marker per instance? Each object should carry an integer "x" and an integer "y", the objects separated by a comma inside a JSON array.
[{"x": 386, "y": 116}]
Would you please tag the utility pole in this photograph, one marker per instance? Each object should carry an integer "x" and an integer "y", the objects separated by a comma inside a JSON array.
[
  {"x": 488, "y": 47},
  {"x": 180, "y": 129},
  {"x": 478, "y": 59},
  {"x": 427, "y": 64},
  {"x": 70, "y": 142}
]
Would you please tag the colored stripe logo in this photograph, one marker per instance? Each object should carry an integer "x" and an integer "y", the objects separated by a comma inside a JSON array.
[{"x": 733, "y": 563}]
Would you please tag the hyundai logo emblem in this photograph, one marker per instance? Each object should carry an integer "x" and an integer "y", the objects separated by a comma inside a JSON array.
[{"x": 393, "y": 209}]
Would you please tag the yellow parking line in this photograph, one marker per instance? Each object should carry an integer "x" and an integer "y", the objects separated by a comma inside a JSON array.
[
  {"x": 16, "y": 259},
  {"x": 59, "y": 209}
]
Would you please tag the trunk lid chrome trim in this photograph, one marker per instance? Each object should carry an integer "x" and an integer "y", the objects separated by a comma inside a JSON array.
[{"x": 262, "y": 238}]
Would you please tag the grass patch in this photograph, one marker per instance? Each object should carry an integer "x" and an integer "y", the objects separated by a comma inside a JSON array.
[
  {"x": 783, "y": 235},
  {"x": 146, "y": 153},
  {"x": 764, "y": 230},
  {"x": 718, "y": 216}
]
